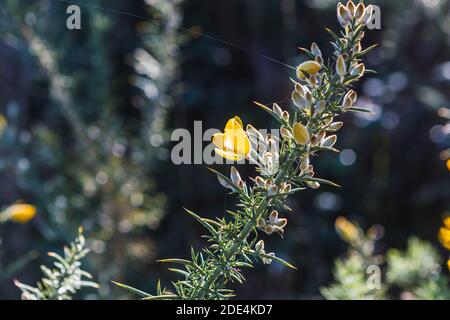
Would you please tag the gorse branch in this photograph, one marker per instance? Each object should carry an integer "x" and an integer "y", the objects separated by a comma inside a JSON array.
[
  {"x": 322, "y": 92},
  {"x": 65, "y": 279}
]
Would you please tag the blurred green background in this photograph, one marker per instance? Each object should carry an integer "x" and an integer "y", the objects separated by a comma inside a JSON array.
[{"x": 89, "y": 114}]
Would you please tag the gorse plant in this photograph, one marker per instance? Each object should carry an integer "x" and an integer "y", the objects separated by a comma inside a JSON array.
[
  {"x": 350, "y": 273},
  {"x": 65, "y": 279},
  {"x": 322, "y": 92},
  {"x": 415, "y": 273}
]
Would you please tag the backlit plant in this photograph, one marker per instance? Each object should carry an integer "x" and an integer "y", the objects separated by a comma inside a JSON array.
[
  {"x": 66, "y": 277},
  {"x": 322, "y": 91}
]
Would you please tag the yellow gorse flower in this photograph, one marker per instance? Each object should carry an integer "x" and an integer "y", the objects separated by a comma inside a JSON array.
[
  {"x": 346, "y": 230},
  {"x": 309, "y": 68},
  {"x": 21, "y": 213},
  {"x": 444, "y": 233},
  {"x": 234, "y": 143}
]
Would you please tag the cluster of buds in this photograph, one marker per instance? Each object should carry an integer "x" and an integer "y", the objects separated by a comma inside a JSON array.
[
  {"x": 267, "y": 185},
  {"x": 265, "y": 150},
  {"x": 272, "y": 224},
  {"x": 259, "y": 247},
  {"x": 360, "y": 14}
]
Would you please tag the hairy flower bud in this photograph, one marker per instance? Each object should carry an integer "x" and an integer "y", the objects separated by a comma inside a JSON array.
[
  {"x": 315, "y": 50},
  {"x": 359, "y": 10},
  {"x": 236, "y": 177},
  {"x": 343, "y": 15},
  {"x": 351, "y": 8},
  {"x": 329, "y": 142},
  {"x": 277, "y": 110},
  {"x": 298, "y": 100},
  {"x": 301, "y": 133},
  {"x": 358, "y": 70},
  {"x": 341, "y": 67},
  {"x": 335, "y": 126},
  {"x": 285, "y": 133}
]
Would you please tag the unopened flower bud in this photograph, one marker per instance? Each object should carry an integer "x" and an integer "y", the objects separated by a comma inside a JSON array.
[
  {"x": 301, "y": 133},
  {"x": 236, "y": 177},
  {"x": 359, "y": 10},
  {"x": 314, "y": 184},
  {"x": 300, "y": 89},
  {"x": 351, "y": 8},
  {"x": 315, "y": 50},
  {"x": 273, "y": 217},
  {"x": 260, "y": 182},
  {"x": 281, "y": 223},
  {"x": 343, "y": 15},
  {"x": 335, "y": 126},
  {"x": 328, "y": 121},
  {"x": 357, "y": 47},
  {"x": 358, "y": 70},
  {"x": 298, "y": 100},
  {"x": 259, "y": 246},
  {"x": 321, "y": 135},
  {"x": 285, "y": 133},
  {"x": 309, "y": 98},
  {"x": 273, "y": 191},
  {"x": 277, "y": 110},
  {"x": 261, "y": 223},
  {"x": 320, "y": 107},
  {"x": 304, "y": 164},
  {"x": 329, "y": 142},
  {"x": 341, "y": 67},
  {"x": 268, "y": 229},
  {"x": 367, "y": 16}
]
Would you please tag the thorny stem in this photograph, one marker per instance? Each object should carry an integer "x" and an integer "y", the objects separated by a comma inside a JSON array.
[{"x": 207, "y": 278}]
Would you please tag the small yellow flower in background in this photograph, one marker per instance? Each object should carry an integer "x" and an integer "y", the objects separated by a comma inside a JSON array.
[
  {"x": 301, "y": 133},
  {"x": 448, "y": 164},
  {"x": 3, "y": 124},
  {"x": 448, "y": 264},
  {"x": 234, "y": 143},
  {"x": 444, "y": 237},
  {"x": 447, "y": 222},
  {"x": 444, "y": 233},
  {"x": 21, "y": 213},
  {"x": 309, "y": 68},
  {"x": 346, "y": 230}
]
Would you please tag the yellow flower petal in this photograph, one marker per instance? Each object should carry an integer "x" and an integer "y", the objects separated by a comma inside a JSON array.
[
  {"x": 307, "y": 68},
  {"x": 234, "y": 124},
  {"x": 228, "y": 155},
  {"x": 346, "y": 230},
  {"x": 21, "y": 213},
  {"x": 447, "y": 222},
  {"x": 218, "y": 140},
  {"x": 444, "y": 237}
]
